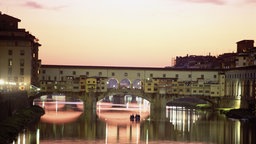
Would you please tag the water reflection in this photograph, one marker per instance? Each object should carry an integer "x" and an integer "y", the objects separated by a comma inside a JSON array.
[
  {"x": 110, "y": 123},
  {"x": 60, "y": 111},
  {"x": 182, "y": 118},
  {"x": 116, "y": 113},
  {"x": 119, "y": 113}
]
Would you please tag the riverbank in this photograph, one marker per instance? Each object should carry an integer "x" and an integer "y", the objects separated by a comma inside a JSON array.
[
  {"x": 241, "y": 114},
  {"x": 11, "y": 126}
]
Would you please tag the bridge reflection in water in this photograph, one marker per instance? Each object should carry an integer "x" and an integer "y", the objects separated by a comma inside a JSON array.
[
  {"x": 110, "y": 123},
  {"x": 182, "y": 118},
  {"x": 116, "y": 114},
  {"x": 60, "y": 111}
]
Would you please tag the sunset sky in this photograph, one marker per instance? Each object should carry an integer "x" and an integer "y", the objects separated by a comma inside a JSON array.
[{"x": 141, "y": 33}]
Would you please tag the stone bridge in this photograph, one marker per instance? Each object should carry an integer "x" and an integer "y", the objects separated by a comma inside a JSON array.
[{"x": 156, "y": 100}]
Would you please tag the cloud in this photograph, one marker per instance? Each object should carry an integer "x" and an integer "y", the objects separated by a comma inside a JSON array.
[
  {"x": 217, "y": 2},
  {"x": 34, "y": 5}
]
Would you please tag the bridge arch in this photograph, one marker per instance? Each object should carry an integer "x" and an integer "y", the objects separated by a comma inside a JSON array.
[
  {"x": 193, "y": 101},
  {"x": 137, "y": 84},
  {"x": 112, "y": 83},
  {"x": 125, "y": 83}
]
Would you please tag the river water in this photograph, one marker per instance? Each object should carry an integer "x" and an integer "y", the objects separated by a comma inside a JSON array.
[{"x": 71, "y": 123}]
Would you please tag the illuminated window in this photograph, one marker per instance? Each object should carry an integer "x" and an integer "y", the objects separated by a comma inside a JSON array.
[{"x": 10, "y": 62}]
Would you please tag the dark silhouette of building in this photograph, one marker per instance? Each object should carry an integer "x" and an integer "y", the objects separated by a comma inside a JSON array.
[
  {"x": 19, "y": 63},
  {"x": 245, "y": 56}
]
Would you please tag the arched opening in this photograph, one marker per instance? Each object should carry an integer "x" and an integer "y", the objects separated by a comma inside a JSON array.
[
  {"x": 137, "y": 84},
  {"x": 191, "y": 102},
  {"x": 112, "y": 83},
  {"x": 125, "y": 83},
  {"x": 118, "y": 109}
]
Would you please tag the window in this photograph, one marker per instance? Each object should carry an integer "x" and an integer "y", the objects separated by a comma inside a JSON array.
[
  {"x": 21, "y": 79},
  {"x": 55, "y": 78},
  {"x": 87, "y": 73},
  {"x": 126, "y": 74},
  {"x": 9, "y": 62},
  {"x": 16, "y": 79},
  {"x": 164, "y": 75},
  {"x": 49, "y": 77},
  {"x": 138, "y": 74},
  {"x": 22, "y": 52},
  {"x": 22, "y": 62},
  {"x": 151, "y": 75},
  {"x": 113, "y": 74},
  {"x": 189, "y": 76},
  {"x": 9, "y": 52},
  {"x": 43, "y": 78},
  {"x": 21, "y": 71},
  {"x": 100, "y": 73},
  {"x": 177, "y": 75},
  {"x": 43, "y": 71},
  {"x": 202, "y": 76},
  {"x": 214, "y": 76},
  {"x": 9, "y": 71},
  {"x": 74, "y": 72},
  {"x": 61, "y": 72}
]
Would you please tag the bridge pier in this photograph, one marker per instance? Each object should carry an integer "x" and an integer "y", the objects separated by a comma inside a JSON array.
[
  {"x": 158, "y": 106},
  {"x": 90, "y": 100}
]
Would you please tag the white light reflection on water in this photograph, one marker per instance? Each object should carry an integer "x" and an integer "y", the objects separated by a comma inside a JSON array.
[
  {"x": 182, "y": 118},
  {"x": 112, "y": 125}
]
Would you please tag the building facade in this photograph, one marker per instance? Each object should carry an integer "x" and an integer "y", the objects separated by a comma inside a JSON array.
[
  {"x": 241, "y": 82},
  {"x": 19, "y": 63},
  {"x": 57, "y": 78}
]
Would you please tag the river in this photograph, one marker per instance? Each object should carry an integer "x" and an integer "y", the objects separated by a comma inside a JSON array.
[{"x": 71, "y": 123}]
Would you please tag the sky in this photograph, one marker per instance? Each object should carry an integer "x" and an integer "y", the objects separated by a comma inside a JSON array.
[{"x": 137, "y": 33}]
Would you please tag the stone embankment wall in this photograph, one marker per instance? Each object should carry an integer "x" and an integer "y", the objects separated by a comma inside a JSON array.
[{"x": 11, "y": 102}]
